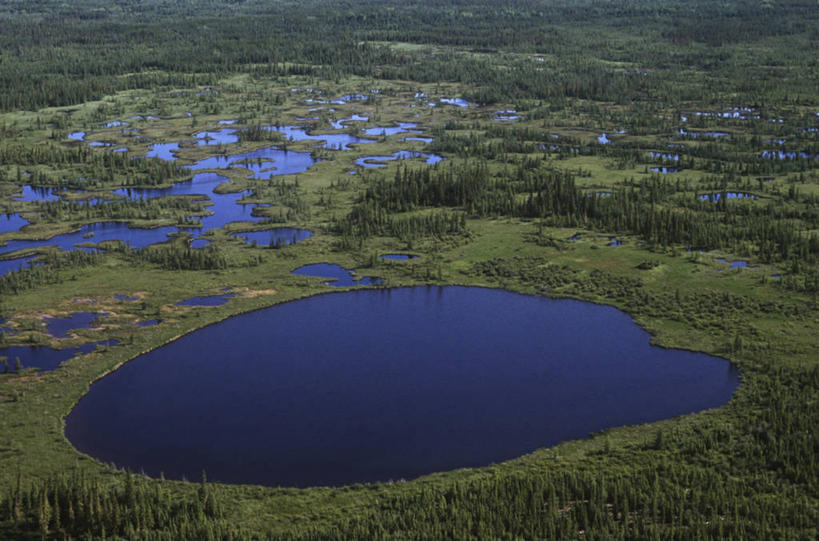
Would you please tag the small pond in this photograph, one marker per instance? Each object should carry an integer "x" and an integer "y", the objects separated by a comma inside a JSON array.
[
  {"x": 163, "y": 151},
  {"x": 95, "y": 233},
  {"x": 400, "y": 127},
  {"x": 398, "y": 257},
  {"x": 11, "y": 222},
  {"x": 372, "y": 385},
  {"x": 59, "y": 327},
  {"x": 338, "y": 275},
  {"x": 737, "y": 264},
  {"x": 224, "y": 136},
  {"x": 35, "y": 193},
  {"x": 45, "y": 358},
  {"x": 11, "y": 265}
]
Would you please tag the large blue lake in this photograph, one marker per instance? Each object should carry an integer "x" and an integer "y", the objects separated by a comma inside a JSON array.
[{"x": 386, "y": 384}]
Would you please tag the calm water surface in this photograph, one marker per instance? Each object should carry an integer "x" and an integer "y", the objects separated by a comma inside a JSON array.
[{"x": 373, "y": 385}]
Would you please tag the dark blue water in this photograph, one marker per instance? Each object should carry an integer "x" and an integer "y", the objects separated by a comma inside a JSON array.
[
  {"x": 367, "y": 161},
  {"x": 11, "y": 222},
  {"x": 95, "y": 233},
  {"x": 421, "y": 139},
  {"x": 199, "y": 243},
  {"x": 125, "y": 298},
  {"x": 278, "y": 236},
  {"x": 200, "y": 184},
  {"x": 224, "y": 208},
  {"x": 263, "y": 163},
  {"x": 386, "y": 384},
  {"x": 665, "y": 170},
  {"x": 11, "y": 265},
  {"x": 45, "y": 358},
  {"x": 734, "y": 264},
  {"x": 32, "y": 193},
  {"x": 398, "y": 257},
  {"x": 59, "y": 327},
  {"x": 212, "y": 300},
  {"x": 338, "y": 275},
  {"x": 614, "y": 242},
  {"x": 334, "y": 141}
]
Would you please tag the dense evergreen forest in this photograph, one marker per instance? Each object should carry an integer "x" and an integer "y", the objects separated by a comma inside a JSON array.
[
  {"x": 68, "y": 53},
  {"x": 687, "y": 130}
]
